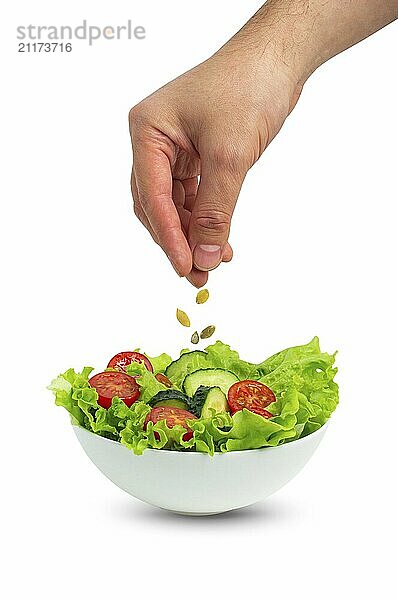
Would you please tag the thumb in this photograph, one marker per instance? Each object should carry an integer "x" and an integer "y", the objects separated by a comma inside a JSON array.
[{"x": 210, "y": 221}]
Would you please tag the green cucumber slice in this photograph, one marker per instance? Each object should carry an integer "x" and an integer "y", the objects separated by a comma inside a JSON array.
[
  {"x": 207, "y": 402},
  {"x": 216, "y": 402},
  {"x": 187, "y": 363},
  {"x": 169, "y": 396},
  {"x": 209, "y": 378}
]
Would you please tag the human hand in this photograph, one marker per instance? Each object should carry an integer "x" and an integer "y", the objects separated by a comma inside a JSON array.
[{"x": 214, "y": 122}]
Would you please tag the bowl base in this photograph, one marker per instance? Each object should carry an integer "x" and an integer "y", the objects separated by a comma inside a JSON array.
[{"x": 196, "y": 514}]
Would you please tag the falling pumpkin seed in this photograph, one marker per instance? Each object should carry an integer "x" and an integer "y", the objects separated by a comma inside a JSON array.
[
  {"x": 183, "y": 318},
  {"x": 195, "y": 338},
  {"x": 202, "y": 296},
  {"x": 207, "y": 332}
]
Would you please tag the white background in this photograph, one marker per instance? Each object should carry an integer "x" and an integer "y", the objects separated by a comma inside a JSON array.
[{"x": 315, "y": 253}]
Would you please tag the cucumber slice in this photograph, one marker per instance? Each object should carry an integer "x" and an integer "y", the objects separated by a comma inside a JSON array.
[
  {"x": 208, "y": 401},
  {"x": 169, "y": 396},
  {"x": 210, "y": 378},
  {"x": 174, "y": 403},
  {"x": 187, "y": 363},
  {"x": 216, "y": 402},
  {"x": 196, "y": 403}
]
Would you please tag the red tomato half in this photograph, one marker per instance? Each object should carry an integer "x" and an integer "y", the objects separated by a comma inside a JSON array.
[
  {"x": 173, "y": 416},
  {"x": 253, "y": 395},
  {"x": 163, "y": 379},
  {"x": 121, "y": 360},
  {"x": 114, "y": 383}
]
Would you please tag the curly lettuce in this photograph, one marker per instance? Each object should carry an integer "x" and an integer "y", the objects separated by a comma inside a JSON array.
[
  {"x": 302, "y": 378},
  {"x": 149, "y": 385},
  {"x": 220, "y": 356},
  {"x": 160, "y": 363},
  {"x": 311, "y": 372},
  {"x": 73, "y": 392}
]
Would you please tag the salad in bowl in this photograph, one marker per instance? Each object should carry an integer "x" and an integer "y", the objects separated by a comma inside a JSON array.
[{"x": 206, "y": 401}]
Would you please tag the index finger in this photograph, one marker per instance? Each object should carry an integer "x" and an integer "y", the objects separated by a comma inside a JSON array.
[{"x": 155, "y": 184}]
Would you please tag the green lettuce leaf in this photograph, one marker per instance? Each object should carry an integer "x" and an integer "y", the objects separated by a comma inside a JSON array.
[
  {"x": 149, "y": 385},
  {"x": 220, "y": 356},
  {"x": 156, "y": 435},
  {"x": 133, "y": 435},
  {"x": 209, "y": 433},
  {"x": 72, "y": 391},
  {"x": 109, "y": 422},
  {"x": 289, "y": 354},
  {"x": 160, "y": 363},
  {"x": 312, "y": 373},
  {"x": 250, "y": 430}
]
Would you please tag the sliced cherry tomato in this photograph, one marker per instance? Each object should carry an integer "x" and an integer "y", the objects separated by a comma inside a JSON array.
[
  {"x": 114, "y": 383},
  {"x": 163, "y": 379},
  {"x": 253, "y": 395},
  {"x": 173, "y": 416},
  {"x": 121, "y": 360}
]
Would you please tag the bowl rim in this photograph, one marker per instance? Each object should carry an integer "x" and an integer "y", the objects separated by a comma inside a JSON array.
[{"x": 196, "y": 453}]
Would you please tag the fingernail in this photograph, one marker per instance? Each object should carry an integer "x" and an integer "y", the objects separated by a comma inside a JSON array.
[{"x": 206, "y": 257}]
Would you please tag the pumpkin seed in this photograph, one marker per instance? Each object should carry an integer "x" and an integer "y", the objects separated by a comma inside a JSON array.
[
  {"x": 202, "y": 296},
  {"x": 183, "y": 318},
  {"x": 207, "y": 332},
  {"x": 195, "y": 338}
]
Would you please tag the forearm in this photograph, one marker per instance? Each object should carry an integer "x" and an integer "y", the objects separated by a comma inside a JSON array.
[
  {"x": 303, "y": 34},
  {"x": 217, "y": 119}
]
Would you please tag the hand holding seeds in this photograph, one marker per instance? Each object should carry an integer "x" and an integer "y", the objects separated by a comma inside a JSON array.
[{"x": 216, "y": 120}]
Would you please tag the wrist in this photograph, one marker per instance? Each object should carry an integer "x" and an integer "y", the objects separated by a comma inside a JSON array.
[
  {"x": 285, "y": 35},
  {"x": 264, "y": 72}
]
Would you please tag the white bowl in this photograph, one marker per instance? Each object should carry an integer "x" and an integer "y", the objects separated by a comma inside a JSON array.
[{"x": 194, "y": 483}]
